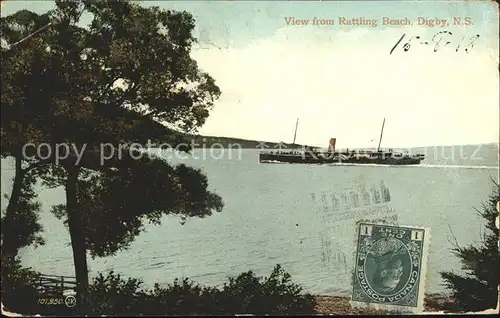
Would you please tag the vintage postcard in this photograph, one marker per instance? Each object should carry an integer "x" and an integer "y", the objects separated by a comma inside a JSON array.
[{"x": 249, "y": 157}]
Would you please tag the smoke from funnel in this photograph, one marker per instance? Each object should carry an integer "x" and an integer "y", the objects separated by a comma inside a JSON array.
[{"x": 331, "y": 146}]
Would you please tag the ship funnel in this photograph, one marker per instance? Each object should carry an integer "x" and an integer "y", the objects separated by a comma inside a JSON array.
[{"x": 331, "y": 146}]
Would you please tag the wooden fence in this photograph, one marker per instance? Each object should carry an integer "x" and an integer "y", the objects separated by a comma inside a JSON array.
[{"x": 56, "y": 285}]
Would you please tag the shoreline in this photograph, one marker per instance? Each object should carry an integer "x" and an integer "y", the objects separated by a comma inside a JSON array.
[{"x": 339, "y": 305}]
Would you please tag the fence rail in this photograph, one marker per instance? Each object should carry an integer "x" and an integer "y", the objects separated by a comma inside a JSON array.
[{"x": 52, "y": 284}]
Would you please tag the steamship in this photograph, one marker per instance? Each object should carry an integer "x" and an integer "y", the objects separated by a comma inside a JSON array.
[{"x": 314, "y": 155}]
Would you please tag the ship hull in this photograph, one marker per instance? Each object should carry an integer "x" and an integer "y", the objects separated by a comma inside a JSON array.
[{"x": 315, "y": 159}]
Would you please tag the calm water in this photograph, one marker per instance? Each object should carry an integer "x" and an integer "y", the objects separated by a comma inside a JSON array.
[{"x": 281, "y": 213}]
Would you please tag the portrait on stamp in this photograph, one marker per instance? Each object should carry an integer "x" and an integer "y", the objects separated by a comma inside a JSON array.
[
  {"x": 388, "y": 259},
  {"x": 389, "y": 265}
]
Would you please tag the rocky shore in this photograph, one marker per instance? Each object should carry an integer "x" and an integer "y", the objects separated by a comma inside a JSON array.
[{"x": 337, "y": 305}]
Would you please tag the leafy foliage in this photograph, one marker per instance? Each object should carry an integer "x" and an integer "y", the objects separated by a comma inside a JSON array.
[
  {"x": 247, "y": 293},
  {"x": 275, "y": 294},
  {"x": 18, "y": 291},
  {"x": 113, "y": 295},
  {"x": 24, "y": 228},
  {"x": 20, "y": 226},
  {"x": 477, "y": 290},
  {"x": 20, "y": 222}
]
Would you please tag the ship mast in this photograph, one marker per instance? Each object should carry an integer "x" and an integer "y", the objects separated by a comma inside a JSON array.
[
  {"x": 381, "y": 132},
  {"x": 295, "y": 134}
]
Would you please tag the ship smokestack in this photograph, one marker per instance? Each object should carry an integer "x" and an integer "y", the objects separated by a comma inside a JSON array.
[{"x": 331, "y": 146}]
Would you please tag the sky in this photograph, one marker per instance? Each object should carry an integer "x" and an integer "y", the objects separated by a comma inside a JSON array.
[{"x": 340, "y": 80}]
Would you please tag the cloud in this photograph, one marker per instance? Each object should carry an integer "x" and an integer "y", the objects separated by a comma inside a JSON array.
[{"x": 342, "y": 83}]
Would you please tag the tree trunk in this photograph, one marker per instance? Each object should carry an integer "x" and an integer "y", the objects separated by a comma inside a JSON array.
[
  {"x": 9, "y": 246},
  {"x": 76, "y": 231}
]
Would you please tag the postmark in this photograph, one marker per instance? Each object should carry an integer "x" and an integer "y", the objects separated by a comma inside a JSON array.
[
  {"x": 355, "y": 202},
  {"x": 390, "y": 267},
  {"x": 340, "y": 209}
]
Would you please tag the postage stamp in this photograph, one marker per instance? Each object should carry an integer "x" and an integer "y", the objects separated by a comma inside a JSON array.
[{"x": 390, "y": 267}]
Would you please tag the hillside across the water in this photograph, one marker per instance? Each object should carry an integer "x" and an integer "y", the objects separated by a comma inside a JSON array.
[
  {"x": 199, "y": 141},
  {"x": 228, "y": 142}
]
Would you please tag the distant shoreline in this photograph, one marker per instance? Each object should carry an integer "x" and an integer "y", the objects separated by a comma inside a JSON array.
[{"x": 201, "y": 142}]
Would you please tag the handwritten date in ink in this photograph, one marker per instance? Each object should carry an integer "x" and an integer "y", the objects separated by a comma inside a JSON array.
[{"x": 440, "y": 39}]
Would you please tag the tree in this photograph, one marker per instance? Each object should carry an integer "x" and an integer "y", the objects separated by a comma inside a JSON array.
[
  {"x": 477, "y": 290},
  {"x": 129, "y": 68},
  {"x": 20, "y": 226}
]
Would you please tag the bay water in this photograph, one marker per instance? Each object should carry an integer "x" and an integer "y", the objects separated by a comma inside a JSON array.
[{"x": 278, "y": 214}]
